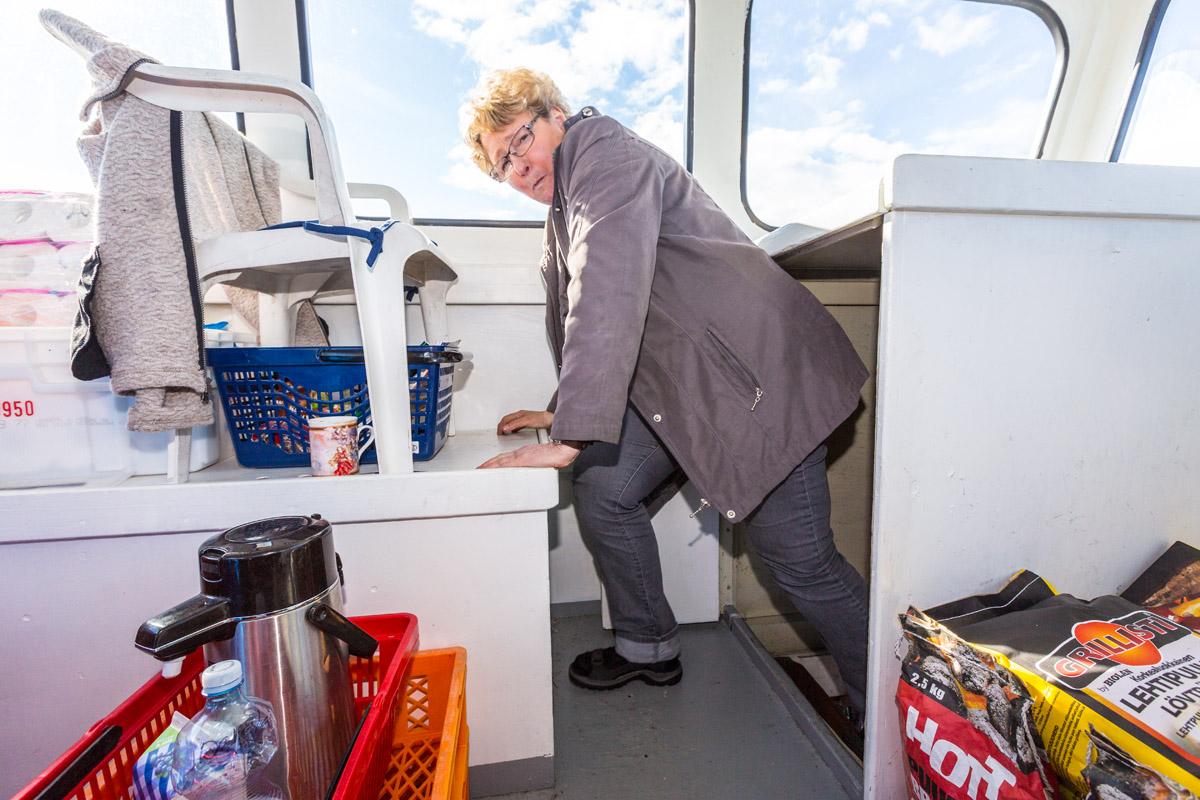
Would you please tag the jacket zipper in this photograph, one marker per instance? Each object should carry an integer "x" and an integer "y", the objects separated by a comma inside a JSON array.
[
  {"x": 121, "y": 84},
  {"x": 736, "y": 365},
  {"x": 179, "y": 181}
]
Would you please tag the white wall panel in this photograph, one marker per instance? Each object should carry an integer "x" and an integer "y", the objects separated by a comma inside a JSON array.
[{"x": 1037, "y": 405}]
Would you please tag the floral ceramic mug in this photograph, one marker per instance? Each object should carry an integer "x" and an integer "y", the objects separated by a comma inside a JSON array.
[{"x": 334, "y": 444}]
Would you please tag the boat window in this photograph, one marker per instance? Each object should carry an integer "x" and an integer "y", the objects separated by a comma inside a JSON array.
[
  {"x": 46, "y": 82},
  {"x": 394, "y": 76},
  {"x": 1166, "y": 111},
  {"x": 837, "y": 92}
]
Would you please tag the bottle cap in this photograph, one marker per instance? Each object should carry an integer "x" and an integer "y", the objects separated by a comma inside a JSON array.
[{"x": 221, "y": 677}]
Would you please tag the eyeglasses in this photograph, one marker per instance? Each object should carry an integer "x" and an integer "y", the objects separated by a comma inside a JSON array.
[{"x": 518, "y": 145}]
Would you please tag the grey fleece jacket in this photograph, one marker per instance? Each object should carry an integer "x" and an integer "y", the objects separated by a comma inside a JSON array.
[{"x": 144, "y": 309}]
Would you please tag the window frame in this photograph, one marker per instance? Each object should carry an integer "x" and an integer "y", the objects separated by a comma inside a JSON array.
[
  {"x": 454, "y": 222},
  {"x": 1145, "y": 53},
  {"x": 1039, "y": 8},
  {"x": 235, "y": 62}
]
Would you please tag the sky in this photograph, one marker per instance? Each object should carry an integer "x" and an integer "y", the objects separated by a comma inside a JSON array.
[
  {"x": 44, "y": 83},
  {"x": 626, "y": 57},
  {"x": 835, "y": 92},
  {"x": 1167, "y": 114}
]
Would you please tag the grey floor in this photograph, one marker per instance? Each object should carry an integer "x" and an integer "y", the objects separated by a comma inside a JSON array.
[{"x": 720, "y": 733}]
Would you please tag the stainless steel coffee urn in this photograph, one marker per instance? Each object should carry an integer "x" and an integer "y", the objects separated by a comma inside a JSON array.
[{"x": 270, "y": 597}]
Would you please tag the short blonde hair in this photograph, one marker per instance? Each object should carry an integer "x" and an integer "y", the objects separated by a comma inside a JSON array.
[{"x": 502, "y": 96}]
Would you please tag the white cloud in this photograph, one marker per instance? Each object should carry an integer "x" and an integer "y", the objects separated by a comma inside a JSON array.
[
  {"x": 660, "y": 125},
  {"x": 1009, "y": 132},
  {"x": 1168, "y": 115},
  {"x": 896, "y": 52},
  {"x": 776, "y": 86},
  {"x": 825, "y": 175},
  {"x": 631, "y": 33},
  {"x": 464, "y": 175},
  {"x": 583, "y": 47},
  {"x": 991, "y": 73},
  {"x": 907, "y": 6},
  {"x": 761, "y": 58},
  {"x": 823, "y": 71},
  {"x": 590, "y": 49},
  {"x": 829, "y": 173},
  {"x": 853, "y": 34},
  {"x": 953, "y": 30},
  {"x": 492, "y": 27},
  {"x": 450, "y": 30}
]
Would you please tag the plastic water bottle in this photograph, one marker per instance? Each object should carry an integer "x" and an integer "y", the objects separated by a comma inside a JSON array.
[{"x": 230, "y": 750}]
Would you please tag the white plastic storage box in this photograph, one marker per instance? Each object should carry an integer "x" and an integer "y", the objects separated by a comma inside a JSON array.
[
  {"x": 44, "y": 239},
  {"x": 55, "y": 430}
]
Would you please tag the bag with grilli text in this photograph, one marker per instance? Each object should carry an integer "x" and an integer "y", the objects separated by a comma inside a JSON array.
[{"x": 1116, "y": 691}]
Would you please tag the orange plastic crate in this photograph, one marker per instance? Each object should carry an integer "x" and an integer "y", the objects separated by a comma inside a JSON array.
[{"x": 430, "y": 739}]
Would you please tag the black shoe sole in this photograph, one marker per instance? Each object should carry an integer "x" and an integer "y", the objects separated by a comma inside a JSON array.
[{"x": 644, "y": 675}]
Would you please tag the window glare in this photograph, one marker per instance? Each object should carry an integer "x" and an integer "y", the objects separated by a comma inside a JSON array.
[
  {"x": 839, "y": 89},
  {"x": 46, "y": 83},
  {"x": 1167, "y": 114},
  {"x": 394, "y": 77}
]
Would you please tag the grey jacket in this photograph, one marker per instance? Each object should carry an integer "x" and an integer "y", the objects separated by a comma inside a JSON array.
[
  {"x": 655, "y": 297},
  {"x": 164, "y": 179}
]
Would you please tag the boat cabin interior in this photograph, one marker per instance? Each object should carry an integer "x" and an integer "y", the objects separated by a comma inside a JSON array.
[{"x": 998, "y": 201}]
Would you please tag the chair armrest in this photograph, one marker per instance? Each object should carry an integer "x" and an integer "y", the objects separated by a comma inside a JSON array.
[{"x": 397, "y": 205}]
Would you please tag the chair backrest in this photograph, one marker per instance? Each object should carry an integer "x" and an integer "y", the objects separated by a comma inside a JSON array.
[{"x": 193, "y": 89}]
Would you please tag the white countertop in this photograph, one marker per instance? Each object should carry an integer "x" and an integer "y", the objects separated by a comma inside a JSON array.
[{"x": 226, "y": 494}]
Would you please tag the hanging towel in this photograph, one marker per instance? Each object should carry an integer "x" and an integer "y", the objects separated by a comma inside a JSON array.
[{"x": 164, "y": 179}]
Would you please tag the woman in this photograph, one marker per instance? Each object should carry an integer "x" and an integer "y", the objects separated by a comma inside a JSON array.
[{"x": 680, "y": 345}]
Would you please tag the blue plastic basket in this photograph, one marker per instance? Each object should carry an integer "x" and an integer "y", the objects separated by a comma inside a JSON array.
[{"x": 269, "y": 392}]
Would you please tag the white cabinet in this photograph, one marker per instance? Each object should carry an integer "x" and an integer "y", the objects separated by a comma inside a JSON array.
[
  {"x": 1036, "y": 385},
  {"x": 463, "y": 549}
]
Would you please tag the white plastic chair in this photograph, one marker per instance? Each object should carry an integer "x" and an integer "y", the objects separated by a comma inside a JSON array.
[{"x": 290, "y": 265}]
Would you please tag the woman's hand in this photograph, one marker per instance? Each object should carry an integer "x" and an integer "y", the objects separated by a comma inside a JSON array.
[
  {"x": 520, "y": 420},
  {"x": 554, "y": 454}
]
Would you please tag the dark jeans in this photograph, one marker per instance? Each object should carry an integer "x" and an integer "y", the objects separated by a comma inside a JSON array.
[{"x": 789, "y": 530}]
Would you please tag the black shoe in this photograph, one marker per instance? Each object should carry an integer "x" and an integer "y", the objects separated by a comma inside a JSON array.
[
  {"x": 851, "y": 731},
  {"x": 604, "y": 669}
]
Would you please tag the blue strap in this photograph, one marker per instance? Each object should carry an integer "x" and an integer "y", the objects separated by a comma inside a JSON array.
[{"x": 373, "y": 235}]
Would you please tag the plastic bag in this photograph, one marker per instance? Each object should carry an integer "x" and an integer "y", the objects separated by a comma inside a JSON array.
[
  {"x": 966, "y": 721},
  {"x": 152, "y": 771},
  {"x": 1107, "y": 677}
]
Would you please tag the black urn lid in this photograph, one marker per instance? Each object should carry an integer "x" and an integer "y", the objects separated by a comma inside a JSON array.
[{"x": 269, "y": 565}]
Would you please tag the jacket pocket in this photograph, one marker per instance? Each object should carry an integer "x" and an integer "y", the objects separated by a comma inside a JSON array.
[
  {"x": 88, "y": 361},
  {"x": 737, "y": 370}
]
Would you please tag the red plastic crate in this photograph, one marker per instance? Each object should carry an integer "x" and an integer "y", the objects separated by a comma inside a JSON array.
[{"x": 100, "y": 765}]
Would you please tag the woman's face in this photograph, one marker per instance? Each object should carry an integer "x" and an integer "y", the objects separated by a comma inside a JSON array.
[{"x": 532, "y": 173}]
